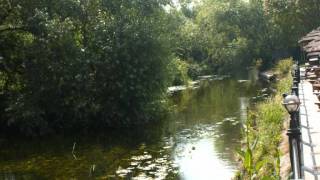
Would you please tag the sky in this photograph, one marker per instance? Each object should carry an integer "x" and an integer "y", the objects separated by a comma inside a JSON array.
[{"x": 193, "y": 2}]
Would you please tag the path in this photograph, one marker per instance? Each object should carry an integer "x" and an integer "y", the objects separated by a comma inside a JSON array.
[{"x": 310, "y": 128}]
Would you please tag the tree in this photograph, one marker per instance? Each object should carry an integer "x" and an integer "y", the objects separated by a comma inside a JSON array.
[
  {"x": 69, "y": 63},
  {"x": 294, "y": 19}
]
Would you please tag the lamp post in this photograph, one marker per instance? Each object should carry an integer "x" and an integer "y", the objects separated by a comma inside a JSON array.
[
  {"x": 292, "y": 103},
  {"x": 293, "y": 71},
  {"x": 297, "y": 74},
  {"x": 298, "y": 71},
  {"x": 295, "y": 90}
]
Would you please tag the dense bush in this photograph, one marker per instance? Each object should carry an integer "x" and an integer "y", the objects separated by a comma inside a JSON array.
[
  {"x": 196, "y": 70},
  {"x": 225, "y": 34},
  {"x": 284, "y": 66},
  {"x": 74, "y": 63},
  {"x": 79, "y": 62},
  {"x": 179, "y": 70}
]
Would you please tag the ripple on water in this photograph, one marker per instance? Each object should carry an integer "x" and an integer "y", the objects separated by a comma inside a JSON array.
[
  {"x": 182, "y": 147},
  {"x": 141, "y": 157},
  {"x": 230, "y": 119},
  {"x": 144, "y": 167}
]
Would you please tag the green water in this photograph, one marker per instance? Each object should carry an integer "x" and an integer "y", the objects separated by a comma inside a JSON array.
[{"x": 196, "y": 143}]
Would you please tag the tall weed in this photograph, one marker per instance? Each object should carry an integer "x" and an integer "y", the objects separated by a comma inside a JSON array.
[
  {"x": 264, "y": 125},
  {"x": 284, "y": 66}
]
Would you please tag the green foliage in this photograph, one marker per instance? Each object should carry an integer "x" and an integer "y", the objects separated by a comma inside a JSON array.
[
  {"x": 293, "y": 19},
  {"x": 225, "y": 34},
  {"x": 266, "y": 125},
  {"x": 179, "y": 70},
  {"x": 252, "y": 167},
  {"x": 76, "y": 64},
  {"x": 109, "y": 62},
  {"x": 195, "y": 70},
  {"x": 249, "y": 168},
  {"x": 228, "y": 34},
  {"x": 284, "y": 66},
  {"x": 270, "y": 116}
]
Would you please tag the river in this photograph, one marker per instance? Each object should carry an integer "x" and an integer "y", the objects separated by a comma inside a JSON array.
[{"x": 197, "y": 142}]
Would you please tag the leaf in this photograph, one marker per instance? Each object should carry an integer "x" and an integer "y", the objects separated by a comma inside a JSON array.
[
  {"x": 253, "y": 146},
  {"x": 248, "y": 159},
  {"x": 260, "y": 164},
  {"x": 267, "y": 178},
  {"x": 240, "y": 153}
]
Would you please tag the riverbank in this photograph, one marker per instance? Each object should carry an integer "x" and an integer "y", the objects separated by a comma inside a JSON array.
[
  {"x": 197, "y": 141},
  {"x": 261, "y": 153}
]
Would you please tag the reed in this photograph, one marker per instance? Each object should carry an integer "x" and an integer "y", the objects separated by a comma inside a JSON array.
[{"x": 263, "y": 129}]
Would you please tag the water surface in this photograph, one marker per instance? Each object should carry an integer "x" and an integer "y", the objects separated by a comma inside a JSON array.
[{"x": 197, "y": 142}]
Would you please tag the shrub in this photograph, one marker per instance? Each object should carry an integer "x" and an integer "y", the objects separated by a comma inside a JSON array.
[
  {"x": 179, "y": 70},
  {"x": 266, "y": 127},
  {"x": 194, "y": 71},
  {"x": 284, "y": 66},
  {"x": 104, "y": 63}
]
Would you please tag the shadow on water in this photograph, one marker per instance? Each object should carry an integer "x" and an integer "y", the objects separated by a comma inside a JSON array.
[{"x": 196, "y": 142}]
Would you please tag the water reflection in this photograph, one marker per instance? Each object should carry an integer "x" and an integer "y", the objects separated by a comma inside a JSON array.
[
  {"x": 205, "y": 131},
  {"x": 196, "y": 142},
  {"x": 199, "y": 160},
  {"x": 244, "y": 103}
]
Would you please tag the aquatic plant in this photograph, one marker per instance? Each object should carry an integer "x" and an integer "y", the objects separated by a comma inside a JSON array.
[
  {"x": 261, "y": 159},
  {"x": 245, "y": 153}
]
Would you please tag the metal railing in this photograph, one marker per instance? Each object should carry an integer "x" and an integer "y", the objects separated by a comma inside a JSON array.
[
  {"x": 294, "y": 132},
  {"x": 291, "y": 103},
  {"x": 296, "y": 166}
]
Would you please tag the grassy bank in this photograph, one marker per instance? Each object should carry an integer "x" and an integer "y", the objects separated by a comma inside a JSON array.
[{"x": 260, "y": 156}]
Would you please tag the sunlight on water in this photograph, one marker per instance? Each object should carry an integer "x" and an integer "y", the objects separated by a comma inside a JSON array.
[
  {"x": 197, "y": 142},
  {"x": 199, "y": 161},
  {"x": 244, "y": 102},
  {"x": 190, "y": 154}
]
